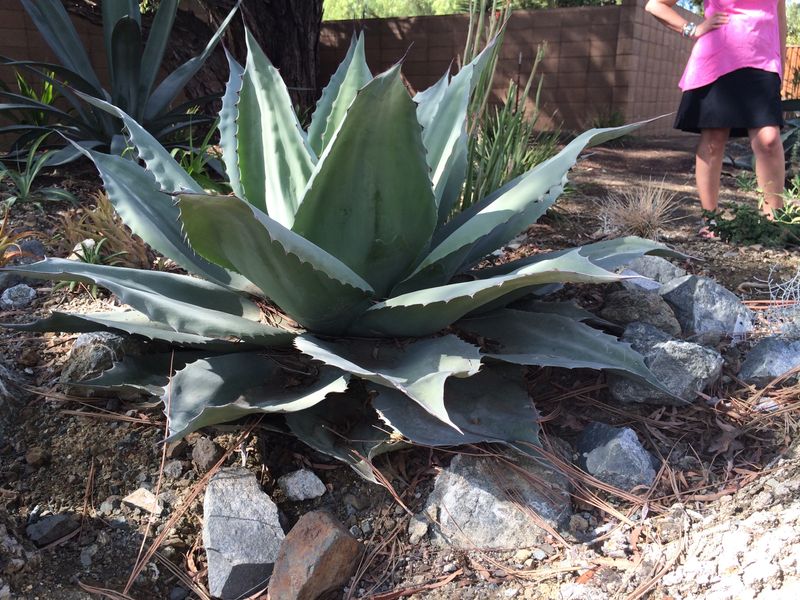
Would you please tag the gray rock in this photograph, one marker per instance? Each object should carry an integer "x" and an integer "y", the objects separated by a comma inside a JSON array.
[
  {"x": 656, "y": 268},
  {"x": 32, "y": 251},
  {"x": 683, "y": 368},
  {"x": 178, "y": 593},
  {"x": 770, "y": 358},
  {"x": 629, "y": 306},
  {"x": 471, "y": 503},
  {"x": 241, "y": 534},
  {"x": 615, "y": 456},
  {"x": 11, "y": 391},
  {"x": 173, "y": 469},
  {"x": 301, "y": 485},
  {"x": 8, "y": 280},
  {"x": 109, "y": 504},
  {"x": 93, "y": 353},
  {"x": 205, "y": 454},
  {"x": 417, "y": 529},
  {"x": 705, "y": 309},
  {"x": 144, "y": 500},
  {"x": 51, "y": 528},
  {"x": 17, "y": 297}
]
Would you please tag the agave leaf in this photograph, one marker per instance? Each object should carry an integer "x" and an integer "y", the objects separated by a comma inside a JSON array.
[
  {"x": 428, "y": 311},
  {"x": 228, "y": 126},
  {"x": 418, "y": 370},
  {"x": 186, "y": 304},
  {"x": 157, "y": 39},
  {"x": 130, "y": 322},
  {"x": 351, "y": 75},
  {"x": 274, "y": 160},
  {"x": 222, "y": 388},
  {"x": 369, "y": 202},
  {"x": 169, "y": 175},
  {"x": 428, "y": 101},
  {"x": 445, "y": 136},
  {"x": 149, "y": 373},
  {"x": 344, "y": 427},
  {"x": 113, "y": 12},
  {"x": 310, "y": 285},
  {"x": 492, "y": 406},
  {"x": 609, "y": 254},
  {"x": 174, "y": 83},
  {"x": 550, "y": 340},
  {"x": 564, "y": 309},
  {"x": 154, "y": 217},
  {"x": 503, "y": 214},
  {"x": 59, "y": 33},
  {"x": 126, "y": 63}
]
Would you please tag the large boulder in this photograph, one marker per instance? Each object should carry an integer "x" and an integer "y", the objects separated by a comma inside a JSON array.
[
  {"x": 632, "y": 305},
  {"x": 615, "y": 456},
  {"x": 683, "y": 368},
  {"x": 241, "y": 534},
  {"x": 706, "y": 310},
  {"x": 483, "y": 502},
  {"x": 770, "y": 358}
]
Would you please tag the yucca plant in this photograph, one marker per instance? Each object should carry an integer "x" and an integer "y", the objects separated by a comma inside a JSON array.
[
  {"x": 134, "y": 66},
  {"x": 331, "y": 291}
]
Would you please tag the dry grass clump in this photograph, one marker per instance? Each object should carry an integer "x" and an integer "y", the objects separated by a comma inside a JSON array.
[
  {"x": 101, "y": 222},
  {"x": 642, "y": 210}
]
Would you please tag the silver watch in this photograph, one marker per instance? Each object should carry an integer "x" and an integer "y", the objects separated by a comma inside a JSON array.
[{"x": 689, "y": 30}]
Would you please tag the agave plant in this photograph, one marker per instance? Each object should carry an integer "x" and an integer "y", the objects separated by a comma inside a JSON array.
[
  {"x": 134, "y": 66},
  {"x": 335, "y": 290}
]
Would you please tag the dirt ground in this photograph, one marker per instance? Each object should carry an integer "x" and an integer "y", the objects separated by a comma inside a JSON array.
[{"x": 96, "y": 450}]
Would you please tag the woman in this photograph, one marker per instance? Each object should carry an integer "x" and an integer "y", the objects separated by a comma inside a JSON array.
[{"x": 731, "y": 87}]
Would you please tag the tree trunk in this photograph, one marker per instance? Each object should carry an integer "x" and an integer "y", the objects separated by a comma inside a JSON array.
[{"x": 287, "y": 31}]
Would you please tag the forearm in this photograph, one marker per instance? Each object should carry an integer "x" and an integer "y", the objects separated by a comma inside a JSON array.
[
  {"x": 783, "y": 30},
  {"x": 664, "y": 12}
]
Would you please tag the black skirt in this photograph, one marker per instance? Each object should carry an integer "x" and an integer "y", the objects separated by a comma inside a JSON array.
[{"x": 741, "y": 100}]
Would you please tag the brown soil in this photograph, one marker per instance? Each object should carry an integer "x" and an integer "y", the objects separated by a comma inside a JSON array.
[{"x": 113, "y": 447}]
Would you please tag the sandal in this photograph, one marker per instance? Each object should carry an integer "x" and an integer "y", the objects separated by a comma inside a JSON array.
[{"x": 705, "y": 231}]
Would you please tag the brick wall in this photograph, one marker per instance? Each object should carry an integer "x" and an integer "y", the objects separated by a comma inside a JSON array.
[
  {"x": 600, "y": 60},
  {"x": 20, "y": 39}
]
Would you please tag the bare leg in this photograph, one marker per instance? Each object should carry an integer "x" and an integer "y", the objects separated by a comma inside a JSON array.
[
  {"x": 708, "y": 169},
  {"x": 770, "y": 167}
]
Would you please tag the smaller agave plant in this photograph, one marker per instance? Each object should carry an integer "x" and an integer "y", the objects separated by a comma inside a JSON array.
[{"x": 336, "y": 291}]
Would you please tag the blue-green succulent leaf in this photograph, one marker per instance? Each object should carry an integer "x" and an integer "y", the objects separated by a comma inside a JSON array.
[
  {"x": 503, "y": 214},
  {"x": 223, "y": 388},
  {"x": 187, "y": 304},
  {"x": 418, "y": 369},
  {"x": 274, "y": 158},
  {"x": 427, "y": 311},
  {"x": 369, "y": 202},
  {"x": 551, "y": 340},
  {"x": 228, "y": 125},
  {"x": 313, "y": 287},
  {"x": 351, "y": 75},
  {"x": 492, "y": 406}
]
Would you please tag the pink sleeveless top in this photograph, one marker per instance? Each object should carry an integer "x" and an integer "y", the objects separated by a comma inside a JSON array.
[{"x": 750, "y": 39}]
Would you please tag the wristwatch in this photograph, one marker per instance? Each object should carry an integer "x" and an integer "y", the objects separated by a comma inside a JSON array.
[{"x": 689, "y": 30}]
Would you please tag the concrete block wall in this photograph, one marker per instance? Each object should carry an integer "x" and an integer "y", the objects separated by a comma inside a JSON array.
[
  {"x": 602, "y": 63},
  {"x": 20, "y": 39}
]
